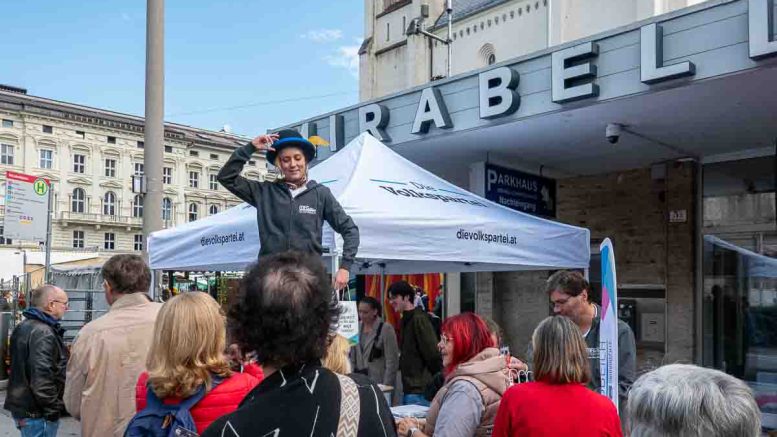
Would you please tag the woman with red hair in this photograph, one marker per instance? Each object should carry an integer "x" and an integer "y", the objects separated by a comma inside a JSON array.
[{"x": 476, "y": 376}]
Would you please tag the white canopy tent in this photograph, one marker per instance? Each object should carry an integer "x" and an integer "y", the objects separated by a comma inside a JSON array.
[{"x": 410, "y": 221}]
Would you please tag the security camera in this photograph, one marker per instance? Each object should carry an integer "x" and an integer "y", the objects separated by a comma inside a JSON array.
[{"x": 613, "y": 132}]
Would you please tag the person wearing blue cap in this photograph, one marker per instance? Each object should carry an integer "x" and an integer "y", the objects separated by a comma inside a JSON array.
[{"x": 291, "y": 211}]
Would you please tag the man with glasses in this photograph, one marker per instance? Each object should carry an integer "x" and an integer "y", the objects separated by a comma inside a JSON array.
[
  {"x": 569, "y": 294},
  {"x": 38, "y": 363}
]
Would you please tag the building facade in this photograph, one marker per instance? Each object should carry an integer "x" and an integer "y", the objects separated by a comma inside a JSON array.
[
  {"x": 91, "y": 155},
  {"x": 657, "y": 132},
  {"x": 394, "y": 58}
]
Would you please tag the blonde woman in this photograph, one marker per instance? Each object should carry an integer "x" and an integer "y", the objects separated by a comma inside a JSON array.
[
  {"x": 187, "y": 353},
  {"x": 336, "y": 358},
  {"x": 558, "y": 403}
]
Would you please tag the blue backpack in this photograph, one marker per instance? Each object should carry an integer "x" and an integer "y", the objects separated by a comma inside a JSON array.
[{"x": 161, "y": 420}]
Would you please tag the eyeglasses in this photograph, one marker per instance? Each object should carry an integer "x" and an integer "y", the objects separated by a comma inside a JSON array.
[
  {"x": 65, "y": 303},
  {"x": 444, "y": 339}
]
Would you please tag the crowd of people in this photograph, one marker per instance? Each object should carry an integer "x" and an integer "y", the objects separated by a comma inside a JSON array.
[
  {"x": 284, "y": 371},
  {"x": 273, "y": 365}
]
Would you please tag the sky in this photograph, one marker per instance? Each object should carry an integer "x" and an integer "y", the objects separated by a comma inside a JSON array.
[{"x": 251, "y": 65}]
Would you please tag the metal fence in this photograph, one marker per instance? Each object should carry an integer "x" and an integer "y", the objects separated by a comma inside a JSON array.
[{"x": 85, "y": 293}]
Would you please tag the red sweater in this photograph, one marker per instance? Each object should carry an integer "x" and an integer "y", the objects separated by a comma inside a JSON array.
[
  {"x": 222, "y": 400},
  {"x": 538, "y": 409}
]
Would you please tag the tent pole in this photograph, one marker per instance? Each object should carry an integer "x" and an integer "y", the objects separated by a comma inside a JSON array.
[
  {"x": 383, "y": 289},
  {"x": 335, "y": 267}
]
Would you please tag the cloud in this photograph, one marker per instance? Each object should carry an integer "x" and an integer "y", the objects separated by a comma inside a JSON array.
[
  {"x": 323, "y": 35},
  {"x": 345, "y": 57}
]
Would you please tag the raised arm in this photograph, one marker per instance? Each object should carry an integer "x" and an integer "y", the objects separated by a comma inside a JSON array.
[{"x": 229, "y": 175}]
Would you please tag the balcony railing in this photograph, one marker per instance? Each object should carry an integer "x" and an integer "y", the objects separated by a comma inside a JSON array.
[{"x": 100, "y": 218}]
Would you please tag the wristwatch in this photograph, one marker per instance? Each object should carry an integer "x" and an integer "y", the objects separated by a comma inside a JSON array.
[{"x": 412, "y": 431}]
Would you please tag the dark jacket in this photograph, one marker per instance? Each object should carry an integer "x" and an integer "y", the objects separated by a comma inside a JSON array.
[
  {"x": 627, "y": 357},
  {"x": 287, "y": 223},
  {"x": 304, "y": 401},
  {"x": 419, "y": 357},
  {"x": 38, "y": 364}
]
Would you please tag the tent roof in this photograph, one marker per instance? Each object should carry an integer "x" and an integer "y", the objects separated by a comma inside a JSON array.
[{"x": 410, "y": 221}]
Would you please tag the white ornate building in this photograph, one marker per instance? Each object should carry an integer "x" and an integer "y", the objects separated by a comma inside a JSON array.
[{"x": 90, "y": 155}]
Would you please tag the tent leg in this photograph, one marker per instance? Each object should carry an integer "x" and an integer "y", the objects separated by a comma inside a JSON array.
[
  {"x": 335, "y": 264},
  {"x": 383, "y": 289}
]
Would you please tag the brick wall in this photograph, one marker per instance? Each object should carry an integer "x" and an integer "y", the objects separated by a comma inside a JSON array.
[{"x": 631, "y": 208}]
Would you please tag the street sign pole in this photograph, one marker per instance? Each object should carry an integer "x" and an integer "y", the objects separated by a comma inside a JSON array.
[{"x": 46, "y": 278}]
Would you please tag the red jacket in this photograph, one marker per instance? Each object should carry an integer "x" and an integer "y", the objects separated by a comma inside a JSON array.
[
  {"x": 538, "y": 409},
  {"x": 222, "y": 400}
]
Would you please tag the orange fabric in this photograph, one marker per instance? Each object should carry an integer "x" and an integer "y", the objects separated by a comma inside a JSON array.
[{"x": 429, "y": 282}]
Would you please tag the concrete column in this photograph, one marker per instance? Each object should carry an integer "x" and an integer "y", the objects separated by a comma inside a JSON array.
[
  {"x": 452, "y": 294},
  {"x": 484, "y": 294},
  {"x": 154, "y": 119},
  {"x": 680, "y": 277},
  {"x": 520, "y": 304}
]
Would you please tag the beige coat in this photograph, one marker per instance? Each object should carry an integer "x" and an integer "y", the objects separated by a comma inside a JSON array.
[
  {"x": 381, "y": 370},
  {"x": 106, "y": 360}
]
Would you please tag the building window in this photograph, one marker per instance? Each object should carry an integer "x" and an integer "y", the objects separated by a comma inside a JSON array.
[
  {"x": 214, "y": 156},
  {"x": 48, "y": 129},
  {"x": 138, "y": 242},
  {"x": 81, "y": 134},
  {"x": 46, "y": 158},
  {"x": 3, "y": 240},
  {"x": 388, "y": 31},
  {"x": 109, "y": 203},
  {"x": 251, "y": 162},
  {"x": 6, "y": 154},
  {"x": 214, "y": 209},
  {"x": 138, "y": 169},
  {"x": 193, "y": 210},
  {"x": 110, "y": 241},
  {"x": 491, "y": 59},
  {"x": 194, "y": 179},
  {"x": 78, "y": 239},
  {"x": 137, "y": 206},
  {"x": 168, "y": 149},
  {"x": 167, "y": 175},
  {"x": 194, "y": 153},
  {"x": 496, "y": 20},
  {"x": 79, "y": 201},
  {"x": 79, "y": 163},
  {"x": 213, "y": 182},
  {"x": 111, "y": 140},
  {"x": 404, "y": 24},
  {"x": 110, "y": 168},
  {"x": 141, "y": 144},
  {"x": 167, "y": 208},
  {"x": 7, "y": 123}
]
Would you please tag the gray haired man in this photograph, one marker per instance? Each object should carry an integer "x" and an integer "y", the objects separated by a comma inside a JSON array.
[
  {"x": 38, "y": 362},
  {"x": 689, "y": 401}
]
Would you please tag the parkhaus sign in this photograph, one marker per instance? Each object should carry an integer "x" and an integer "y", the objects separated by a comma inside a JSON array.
[{"x": 573, "y": 77}]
